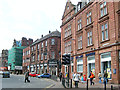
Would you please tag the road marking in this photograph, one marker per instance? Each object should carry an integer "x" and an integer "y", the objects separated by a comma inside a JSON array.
[{"x": 50, "y": 86}]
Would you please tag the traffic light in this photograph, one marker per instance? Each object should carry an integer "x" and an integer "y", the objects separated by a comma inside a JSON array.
[
  {"x": 64, "y": 59},
  {"x": 67, "y": 58}
]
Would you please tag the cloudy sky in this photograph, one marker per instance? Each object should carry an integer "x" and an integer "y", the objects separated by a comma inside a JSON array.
[{"x": 29, "y": 18}]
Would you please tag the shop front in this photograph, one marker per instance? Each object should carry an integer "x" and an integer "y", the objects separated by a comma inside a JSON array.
[
  {"x": 45, "y": 68},
  {"x": 80, "y": 64},
  {"x": 18, "y": 69},
  {"x": 90, "y": 63},
  {"x": 38, "y": 69},
  {"x": 53, "y": 67},
  {"x": 41, "y": 68},
  {"x": 106, "y": 63}
]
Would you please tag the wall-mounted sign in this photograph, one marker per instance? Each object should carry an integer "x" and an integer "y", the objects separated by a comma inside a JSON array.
[
  {"x": 53, "y": 62},
  {"x": 18, "y": 67}
]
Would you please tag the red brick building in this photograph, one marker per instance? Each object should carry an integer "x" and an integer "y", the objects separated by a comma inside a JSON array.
[
  {"x": 90, "y": 31},
  {"x": 26, "y": 59},
  {"x": 45, "y": 54}
]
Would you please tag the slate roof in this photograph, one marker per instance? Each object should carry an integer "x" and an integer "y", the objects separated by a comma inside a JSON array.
[{"x": 52, "y": 34}]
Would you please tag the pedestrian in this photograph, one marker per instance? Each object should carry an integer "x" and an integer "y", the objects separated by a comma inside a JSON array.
[
  {"x": 73, "y": 78},
  {"x": 100, "y": 76},
  {"x": 84, "y": 77},
  {"x": 81, "y": 78},
  {"x": 60, "y": 76},
  {"x": 91, "y": 78},
  {"x": 76, "y": 79},
  {"x": 105, "y": 76},
  {"x": 27, "y": 76}
]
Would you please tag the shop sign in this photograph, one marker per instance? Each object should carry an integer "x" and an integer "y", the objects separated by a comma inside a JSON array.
[
  {"x": 90, "y": 54},
  {"x": 53, "y": 62},
  {"x": 18, "y": 67}
]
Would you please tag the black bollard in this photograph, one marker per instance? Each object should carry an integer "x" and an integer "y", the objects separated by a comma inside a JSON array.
[
  {"x": 87, "y": 84},
  {"x": 71, "y": 84},
  {"x": 111, "y": 87},
  {"x": 105, "y": 85}
]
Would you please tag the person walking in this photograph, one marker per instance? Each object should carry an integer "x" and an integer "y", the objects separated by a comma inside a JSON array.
[
  {"x": 76, "y": 79},
  {"x": 100, "y": 76},
  {"x": 27, "y": 76},
  {"x": 60, "y": 76},
  {"x": 105, "y": 76},
  {"x": 91, "y": 78}
]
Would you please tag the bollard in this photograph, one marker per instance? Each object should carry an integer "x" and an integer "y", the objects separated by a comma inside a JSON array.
[
  {"x": 105, "y": 85},
  {"x": 111, "y": 87},
  {"x": 63, "y": 82},
  {"x": 87, "y": 84},
  {"x": 71, "y": 84},
  {"x": 68, "y": 82}
]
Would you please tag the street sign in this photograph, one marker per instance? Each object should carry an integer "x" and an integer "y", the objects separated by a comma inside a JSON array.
[{"x": 18, "y": 67}]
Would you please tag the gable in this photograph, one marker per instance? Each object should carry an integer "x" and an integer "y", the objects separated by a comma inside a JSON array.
[{"x": 69, "y": 6}]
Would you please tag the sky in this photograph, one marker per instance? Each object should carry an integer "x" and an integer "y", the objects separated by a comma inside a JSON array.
[{"x": 29, "y": 18}]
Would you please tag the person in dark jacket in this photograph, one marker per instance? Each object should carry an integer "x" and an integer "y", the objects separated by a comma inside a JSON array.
[
  {"x": 91, "y": 76},
  {"x": 27, "y": 76},
  {"x": 105, "y": 76},
  {"x": 60, "y": 76}
]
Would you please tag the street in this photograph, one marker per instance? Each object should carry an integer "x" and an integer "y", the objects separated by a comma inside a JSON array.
[{"x": 17, "y": 81}]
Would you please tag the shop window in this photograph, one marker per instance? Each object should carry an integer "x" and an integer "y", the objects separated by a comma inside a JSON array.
[
  {"x": 106, "y": 63},
  {"x": 79, "y": 64},
  {"x": 91, "y": 64}
]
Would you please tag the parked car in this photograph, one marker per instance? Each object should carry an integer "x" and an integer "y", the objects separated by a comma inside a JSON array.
[
  {"x": 6, "y": 74},
  {"x": 32, "y": 74},
  {"x": 37, "y": 75},
  {"x": 44, "y": 75}
]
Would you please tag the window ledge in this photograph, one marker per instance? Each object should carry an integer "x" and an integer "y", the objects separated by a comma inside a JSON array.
[
  {"x": 90, "y": 46},
  {"x": 89, "y": 26},
  {"x": 105, "y": 41},
  {"x": 79, "y": 31},
  {"x": 103, "y": 18},
  {"x": 66, "y": 38},
  {"x": 79, "y": 49}
]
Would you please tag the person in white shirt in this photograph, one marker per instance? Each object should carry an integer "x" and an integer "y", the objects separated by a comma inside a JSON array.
[{"x": 76, "y": 79}]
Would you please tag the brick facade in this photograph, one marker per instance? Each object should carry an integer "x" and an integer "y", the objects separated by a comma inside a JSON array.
[
  {"x": 98, "y": 48},
  {"x": 43, "y": 48},
  {"x": 26, "y": 59}
]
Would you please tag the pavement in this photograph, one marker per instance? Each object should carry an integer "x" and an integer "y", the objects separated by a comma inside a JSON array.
[
  {"x": 57, "y": 84},
  {"x": 100, "y": 86}
]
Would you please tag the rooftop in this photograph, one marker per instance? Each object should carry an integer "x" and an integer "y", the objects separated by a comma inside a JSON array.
[{"x": 52, "y": 34}]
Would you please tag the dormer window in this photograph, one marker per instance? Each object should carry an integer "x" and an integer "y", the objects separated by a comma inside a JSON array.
[{"x": 67, "y": 7}]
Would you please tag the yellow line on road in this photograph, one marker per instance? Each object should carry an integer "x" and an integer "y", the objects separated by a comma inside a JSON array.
[{"x": 50, "y": 86}]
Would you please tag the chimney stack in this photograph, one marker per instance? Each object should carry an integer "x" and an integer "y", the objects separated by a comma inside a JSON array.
[
  {"x": 49, "y": 31},
  {"x": 42, "y": 36}
]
